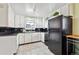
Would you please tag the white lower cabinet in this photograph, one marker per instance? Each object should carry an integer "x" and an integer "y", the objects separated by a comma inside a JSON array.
[
  {"x": 38, "y": 37},
  {"x": 21, "y": 38},
  {"x": 35, "y": 37},
  {"x": 8, "y": 45},
  {"x": 28, "y": 37},
  {"x": 24, "y": 38},
  {"x": 42, "y": 37}
]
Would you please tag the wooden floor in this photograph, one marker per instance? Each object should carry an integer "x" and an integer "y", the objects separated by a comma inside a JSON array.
[{"x": 38, "y": 48}]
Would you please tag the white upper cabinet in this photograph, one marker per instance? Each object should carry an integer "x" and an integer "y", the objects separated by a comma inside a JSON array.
[
  {"x": 11, "y": 15},
  {"x": 3, "y": 15},
  {"x": 6, "y": 16},
  {"x": 19, "y": 21},
  {"x": 16, "y": 23}
]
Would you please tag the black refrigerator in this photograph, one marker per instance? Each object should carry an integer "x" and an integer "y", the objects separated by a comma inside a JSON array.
[{"x": 58, "y": 27}]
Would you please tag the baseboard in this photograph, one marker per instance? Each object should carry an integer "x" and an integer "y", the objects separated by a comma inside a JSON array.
[{"x": 29, "y": 43}]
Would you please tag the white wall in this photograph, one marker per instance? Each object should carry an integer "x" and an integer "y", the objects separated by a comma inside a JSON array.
[{"x": 64, "y": 10}]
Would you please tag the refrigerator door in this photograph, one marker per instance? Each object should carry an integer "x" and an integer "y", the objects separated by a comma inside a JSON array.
[
  {"x": 55, "y": 35},
  {"x": 55, "y": 43},
  {"x": 55, "y": 22},
  {"x": 55, "y": 47},
  {"x": 67, "y": 25}
]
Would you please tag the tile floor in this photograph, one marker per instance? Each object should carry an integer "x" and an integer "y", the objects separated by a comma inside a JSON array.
[{"x": 34, "y": 49}]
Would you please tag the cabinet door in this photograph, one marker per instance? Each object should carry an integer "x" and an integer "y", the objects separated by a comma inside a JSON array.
[
  {"x": 3, "y": 15},
  {"x": 42, "y": 37},
  {"x": 35, "y": 37},
  {"x": 8, "y": 45},
  {"x": 21, "y": 38},
  {"x": 28, "y": 37},
  {"x": 21, "y": 21},
  {"x": 16, "y": 23},
  {"x": 10, "y": 16}
]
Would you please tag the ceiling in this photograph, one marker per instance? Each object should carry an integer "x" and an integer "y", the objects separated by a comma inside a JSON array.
[{"x": 36, "y": 9}]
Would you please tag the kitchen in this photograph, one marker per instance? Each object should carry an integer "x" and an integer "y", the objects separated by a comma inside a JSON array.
[{"x": 25, "y": 27}]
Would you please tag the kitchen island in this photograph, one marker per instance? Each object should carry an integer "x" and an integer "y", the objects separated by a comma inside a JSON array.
[{"x": 8, "y": 44}]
